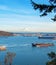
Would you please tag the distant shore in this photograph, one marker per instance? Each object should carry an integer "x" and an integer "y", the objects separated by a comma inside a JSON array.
[
  {"x": 35, "y": 34},
  {"x": 4, "y": 33}
]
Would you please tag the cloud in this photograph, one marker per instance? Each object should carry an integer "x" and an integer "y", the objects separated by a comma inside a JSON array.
[
  {"x": 3, "y": 7},
  {"x": 20, "y": 11}
]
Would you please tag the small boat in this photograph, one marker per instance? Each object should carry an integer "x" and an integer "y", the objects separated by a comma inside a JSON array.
[
  {"x": 2, "y": 48},
  {"x": 42, "y": 44}
]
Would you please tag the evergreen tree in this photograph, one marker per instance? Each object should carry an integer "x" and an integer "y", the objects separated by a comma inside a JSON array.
[{"x": 45, "y": 8}]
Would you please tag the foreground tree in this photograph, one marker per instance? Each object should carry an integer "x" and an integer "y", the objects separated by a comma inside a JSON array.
[
  {"x": 52, "y": 55},
  {"x": 45, "y": 8}
]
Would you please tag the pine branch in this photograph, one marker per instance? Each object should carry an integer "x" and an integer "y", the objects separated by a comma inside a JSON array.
[
  {"x": 45, "y": 8},
  {"x": 42, "y": 7}
]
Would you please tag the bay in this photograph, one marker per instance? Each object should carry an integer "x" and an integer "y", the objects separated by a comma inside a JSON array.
[{"x": 25, "y": 53}]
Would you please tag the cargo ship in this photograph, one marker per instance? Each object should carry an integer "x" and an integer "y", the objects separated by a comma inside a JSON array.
[
  {"x": 42, "y": 44},
  {"x": 46, "y": 37}
]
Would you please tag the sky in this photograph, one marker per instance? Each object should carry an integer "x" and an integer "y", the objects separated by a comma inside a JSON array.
[{"x": 19, "y": 16}]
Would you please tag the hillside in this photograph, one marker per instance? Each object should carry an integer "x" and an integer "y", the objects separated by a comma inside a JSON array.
[{"x": 4, "y": 33}]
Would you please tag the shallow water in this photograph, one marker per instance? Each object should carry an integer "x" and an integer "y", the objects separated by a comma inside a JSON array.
[{"x": 25, "y": 53}]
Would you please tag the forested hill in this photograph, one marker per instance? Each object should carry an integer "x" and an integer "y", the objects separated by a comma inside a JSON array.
[{"x": 4, "y": 33}]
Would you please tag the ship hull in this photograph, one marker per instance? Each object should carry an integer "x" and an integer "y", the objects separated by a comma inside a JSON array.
[
  {"x": 42, "y": 45},
  {"x": 46, "y": 37}
]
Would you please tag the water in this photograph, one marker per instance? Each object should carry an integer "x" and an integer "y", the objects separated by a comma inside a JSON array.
[{"x": 25, "y": 53}]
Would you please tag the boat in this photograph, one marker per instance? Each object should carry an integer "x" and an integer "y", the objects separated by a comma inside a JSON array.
[
  {"x": 42, "y": 44},
  {"x": 46, "y": 37},
  {"x": 2, "y": 48}
]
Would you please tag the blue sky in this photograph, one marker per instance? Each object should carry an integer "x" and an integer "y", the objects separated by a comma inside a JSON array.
[{"x": 19, "y": 16}]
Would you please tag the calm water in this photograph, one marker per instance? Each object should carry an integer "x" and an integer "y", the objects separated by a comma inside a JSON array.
[{"x": 25, "y": 53}]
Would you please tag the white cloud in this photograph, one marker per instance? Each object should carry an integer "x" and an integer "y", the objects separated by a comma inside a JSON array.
[
  {"x": 3, "y": 7},
  {"x": 18, "y": 11}
]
